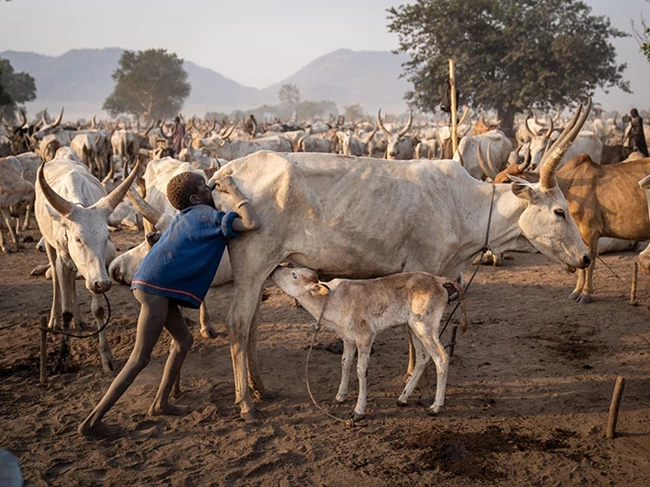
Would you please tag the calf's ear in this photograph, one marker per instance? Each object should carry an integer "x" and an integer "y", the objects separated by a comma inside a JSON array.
[
  {"x": 318, "y": 289},
  {"x": 521, "y": 188}
]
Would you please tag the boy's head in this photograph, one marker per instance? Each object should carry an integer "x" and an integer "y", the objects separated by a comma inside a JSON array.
[{"x": 187, "y": 189}]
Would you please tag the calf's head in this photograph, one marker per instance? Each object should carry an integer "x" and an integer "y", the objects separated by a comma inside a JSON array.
[{"x": 298, "y": 282}]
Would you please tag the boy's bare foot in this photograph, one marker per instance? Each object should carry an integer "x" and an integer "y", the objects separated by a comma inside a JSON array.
[
  {"x": 168, "y": 409},
  {"x": 97, "y": 429}
]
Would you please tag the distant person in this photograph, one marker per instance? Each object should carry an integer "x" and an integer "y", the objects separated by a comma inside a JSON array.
[
  {"x": 178, "y": 139},
  {"x": 251, "y": 125},
  {"x": 636, "y": 136}
]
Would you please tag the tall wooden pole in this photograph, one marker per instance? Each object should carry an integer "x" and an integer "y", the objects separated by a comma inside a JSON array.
[
  {"x": 612, "y": 418},
  {"x": 454, "y": 108}
]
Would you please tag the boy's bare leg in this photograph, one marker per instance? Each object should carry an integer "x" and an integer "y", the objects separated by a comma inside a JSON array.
[
  {"x": 153, "y": 314},
  {"x": 182, "y": 342}
]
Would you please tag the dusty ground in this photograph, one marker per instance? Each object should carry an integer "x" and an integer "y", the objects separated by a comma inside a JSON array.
[{"x": 527, "y": 400}]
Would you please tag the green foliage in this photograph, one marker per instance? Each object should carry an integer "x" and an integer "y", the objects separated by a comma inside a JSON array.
[
  {"x": 509, "y": 54},
  {"x": 151, "y": 84},
  {"x": 15, "y": 89},
  {"x": 289, "y": 94}
]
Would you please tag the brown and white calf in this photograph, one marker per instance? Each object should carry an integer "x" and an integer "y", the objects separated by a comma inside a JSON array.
[{"x": 357, "y": 310}]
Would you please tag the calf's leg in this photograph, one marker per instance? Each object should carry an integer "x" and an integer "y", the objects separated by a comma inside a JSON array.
[{"x": 346, "y": 364}]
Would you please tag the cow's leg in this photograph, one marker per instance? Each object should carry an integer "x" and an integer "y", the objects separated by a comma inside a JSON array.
[
  {"x": 2, "y": 240},
  {"x": 153, "y": 314},
  {"x": 240, "y": 318},
  {"x": 349, "y": 348},
  {"x": 99, "y": 313},
  {"x": 28, "y": 210},
  {"x": 421, "y": 359},
  {"x": 207, "y": 330},
  {"x": 69, "y": 305},
  {"x": 10, "y": 227},
  {"x": 585, "y": 294},
  {"x": 56, "y": 290},
  {"x": 255, "y": 383},
  {"x": 364, "y": 345},
  {"x": 181, "y": 344},
  {"x": 436, "y": 350},
  {"x": 577, "y": 291}
]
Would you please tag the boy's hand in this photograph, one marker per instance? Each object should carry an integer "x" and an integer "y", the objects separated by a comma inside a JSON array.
[{"x": 225, "y": 184}]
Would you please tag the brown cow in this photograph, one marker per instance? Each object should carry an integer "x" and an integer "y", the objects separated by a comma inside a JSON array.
[{"x": 605, "y": 201}]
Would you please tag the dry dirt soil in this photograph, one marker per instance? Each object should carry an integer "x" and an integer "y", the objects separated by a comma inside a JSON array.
[{"x": 527, "y": 399}]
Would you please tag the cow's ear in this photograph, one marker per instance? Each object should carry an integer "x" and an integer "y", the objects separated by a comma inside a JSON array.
[
  {"x": 318, "y": 289},
  {"x": 152, "y": 238},
  {"x": 56, "y": 216},
  {"x": 521, "y": 188}
]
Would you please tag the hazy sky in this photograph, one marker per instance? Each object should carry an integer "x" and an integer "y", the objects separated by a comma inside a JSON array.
[{"x": 254, "y": 42}]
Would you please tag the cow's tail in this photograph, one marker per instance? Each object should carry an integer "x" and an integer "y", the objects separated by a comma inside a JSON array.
[{"x": 451, "y": 286}]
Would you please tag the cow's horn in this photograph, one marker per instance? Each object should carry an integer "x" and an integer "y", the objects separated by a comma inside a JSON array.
[
  {"x": 548, "y": 133},
  {"x": 58, "y": 202},
  {"x": 527, "y": 160},
  {"x": 530, "y": 132},
  {"x": 58, "y": 119},
  {"x": 381, "y": 124},
  {"x": 143, "y": 207},
  {"x": 489, "y": 159},
  {"x": 117, "y": 195},
  {"x": 557, "y": 151},
  {"x": 481, "y": 162},
  {"x": 465, "y": 113},
  {"x": 407, "y": 127}
]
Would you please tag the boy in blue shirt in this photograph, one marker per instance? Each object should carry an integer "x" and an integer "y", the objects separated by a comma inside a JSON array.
[{"x": 177, "y": 271}]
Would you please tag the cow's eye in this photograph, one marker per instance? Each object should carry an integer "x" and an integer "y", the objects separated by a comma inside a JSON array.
[
  {"x": 295, "y": 276},
  {"x": 559, "y": 212},
  {"x": 77, "y": 239}
]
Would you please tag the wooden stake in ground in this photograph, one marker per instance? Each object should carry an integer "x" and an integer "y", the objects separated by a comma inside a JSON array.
[
  {"x": 613, "y": 408},
  {"x": 635, "y": 274},
  {"x": 43, "y": 331},
  {"x": 454, "y": 108}
]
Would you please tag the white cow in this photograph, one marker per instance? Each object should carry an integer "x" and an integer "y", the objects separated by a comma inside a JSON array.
[
  {"x": 16, "y": 194},
  {"x": 411, "y": 216},
  {"x": 72, "y": 210},
  {"x": 357, "y": 310},
  {"x": 227, "y": 149},
  {"x": 493, "y": 144},
  {"x": 400, "y": 146}
]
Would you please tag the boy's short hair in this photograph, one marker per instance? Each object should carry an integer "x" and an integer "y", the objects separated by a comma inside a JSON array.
[{"x": 180, "y": 188}]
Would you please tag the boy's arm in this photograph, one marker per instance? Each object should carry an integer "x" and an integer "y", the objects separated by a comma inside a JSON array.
[{"x": 249, "y": 219}]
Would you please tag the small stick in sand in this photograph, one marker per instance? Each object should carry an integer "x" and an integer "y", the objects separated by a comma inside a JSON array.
[
  {"x": 635, "y": 273},
  {"x": 613, "y": 408}
]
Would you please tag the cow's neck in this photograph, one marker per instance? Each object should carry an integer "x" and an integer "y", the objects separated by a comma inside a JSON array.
[{"x": 504, "y": 233}]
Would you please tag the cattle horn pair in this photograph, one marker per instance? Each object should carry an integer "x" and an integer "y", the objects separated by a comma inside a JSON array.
[
  {"x": 489, "y": 170},
  {"x": 559, "y": 148},
  {"x": 387, "y": 132},
  {"x": 65, "y": 207}
]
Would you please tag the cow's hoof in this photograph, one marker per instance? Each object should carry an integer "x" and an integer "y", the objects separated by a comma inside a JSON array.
[
  {"x": 252, "y": 415},
  {"x": 432, "y": 412},
  {"x": 110, "y": 365},
  {"x": 357, "y": 417},
  {"x": 574, "y": 295},
  {"x": 584, "y": 299},
  {"x": 339, "y": 399},
  {"x": 209, "y": 332},
  {"x": 264, "y": 395},
  {"x": 425, "y": 401},
  {"x": 402, "y": 404}
]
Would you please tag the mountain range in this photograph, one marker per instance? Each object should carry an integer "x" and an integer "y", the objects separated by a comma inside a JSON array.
[{"x": 81, "y": 80}]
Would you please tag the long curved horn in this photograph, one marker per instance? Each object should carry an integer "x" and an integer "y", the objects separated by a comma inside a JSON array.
[
  {"x": 483, "y": 117},
  {"x": 489, "y": 159},
  {"x": 58, "y": 119},
  {"x": 527, "y": 160},
  {"x": 557, "y": 115},
  {"x": 229, "y": 131},
  {"x": 465, "y": 112},
  {"x": 530, "y": 132},
  {"x": 22, "y": 119},
  {"x": 93, "y": 124},
  {"x": 143, "y": 207},
  {"x": 407, "y": 127},
  {"x": 146, "y": 132},
  {"x": 481, "y": 162},
  {"x": 368, "y": 137},
  {"x": 58, "y": 202},
  {"x": 551, "y": 161},
  {"x": 381, "y": 124},
  {"x": 548, "y": 133},
  {"x": 117, "y": 195}
]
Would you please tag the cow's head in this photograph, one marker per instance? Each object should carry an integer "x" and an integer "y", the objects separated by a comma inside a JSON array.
[
  {"x": 400, "y": 146},
  {"x": 124, "y": 267},
  {"x": 85, "y": 230},
  {"x": 298, "y": 282},
  {"x": 546, "y": 222}
]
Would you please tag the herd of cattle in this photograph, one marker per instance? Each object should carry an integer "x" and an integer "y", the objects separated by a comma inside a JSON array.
[{"x": 326, "y": 202}]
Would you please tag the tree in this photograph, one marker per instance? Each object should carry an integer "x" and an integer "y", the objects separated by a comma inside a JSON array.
[
  {"x": 151, "y": 84},
  {"x": 289, "y": 94},
  {"x": 353, "y": 112},
  {"x": 15, "y": 89},
  {"x": 509, "y": 54}
]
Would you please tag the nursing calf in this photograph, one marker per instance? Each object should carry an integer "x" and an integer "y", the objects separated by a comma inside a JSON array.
[{"x": 359, "y": 309}]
